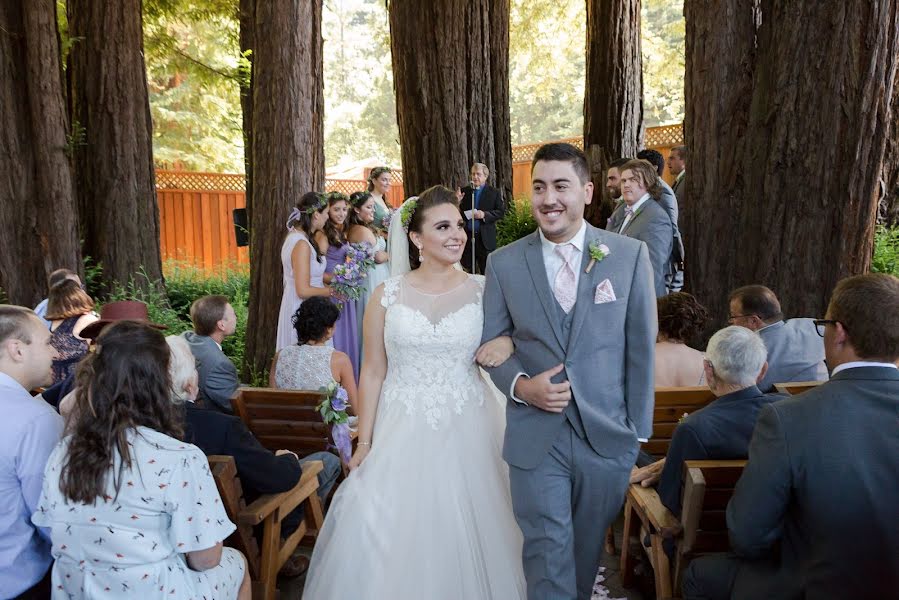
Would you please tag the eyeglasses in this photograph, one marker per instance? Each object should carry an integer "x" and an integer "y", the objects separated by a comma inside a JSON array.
[
  {"x": 820, "y": 325},
  {"x": 732, "y": 318}
]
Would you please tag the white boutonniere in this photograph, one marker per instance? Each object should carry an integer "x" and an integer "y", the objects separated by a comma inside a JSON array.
[{"x": 597, "y": 253}]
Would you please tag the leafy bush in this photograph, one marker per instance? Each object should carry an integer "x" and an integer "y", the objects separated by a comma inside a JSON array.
[
  {"x": 518, "y": 222},
  {"x": 886, "y": 251}
]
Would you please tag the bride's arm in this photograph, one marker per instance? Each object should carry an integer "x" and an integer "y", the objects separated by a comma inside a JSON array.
[
  {"x": 374, "y": 368},
  {"x": 495, "y": 352}
]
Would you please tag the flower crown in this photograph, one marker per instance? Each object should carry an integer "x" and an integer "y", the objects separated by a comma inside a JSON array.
[
  {"x": 320, "y": 204},
  {"x": 357, "y": 199},
  {"x": 407, "y": 212}
]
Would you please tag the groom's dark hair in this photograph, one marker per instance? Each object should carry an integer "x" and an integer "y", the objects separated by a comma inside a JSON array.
[{"x": 565, "y": 153}]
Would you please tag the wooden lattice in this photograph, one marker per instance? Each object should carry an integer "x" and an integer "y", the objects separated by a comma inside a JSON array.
[
  {"x": 200, "y": 182},
  {"x": 656, "y": 137}
]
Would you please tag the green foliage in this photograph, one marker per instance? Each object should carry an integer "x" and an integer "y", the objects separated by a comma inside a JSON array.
[
  {"x": 664, "y": 50},
  {"x": 76, "y": 138},
  {"x": 518, "y": 222},
  {"x": 886, "y": 251},
  {"x": 4, "y": 299}
]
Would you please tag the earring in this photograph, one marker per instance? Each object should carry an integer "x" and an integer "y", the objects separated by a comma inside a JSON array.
[{"x": 421, "y": 254}]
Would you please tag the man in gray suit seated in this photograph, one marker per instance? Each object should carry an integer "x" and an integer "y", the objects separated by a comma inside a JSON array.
[
  {"x": 795, "y": 350},
  {"x": 814, "y": 514},
  {"x": 641, "y": 217},
  {"x": 214, "y": 320}
]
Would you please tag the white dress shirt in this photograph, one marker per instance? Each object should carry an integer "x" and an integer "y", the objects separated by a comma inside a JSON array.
[
  {"x": 634, "y": 209},
  {"x": 861, "y": 363}
]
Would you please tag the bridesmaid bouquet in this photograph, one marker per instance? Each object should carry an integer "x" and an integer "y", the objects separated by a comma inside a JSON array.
[
  {"x": 333, "y": 412},
  {"x": 349, "y": 275}
]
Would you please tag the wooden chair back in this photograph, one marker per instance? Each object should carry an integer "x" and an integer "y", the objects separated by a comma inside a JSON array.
[
  {"x": 224, "y": 471},
  {"x": 796, "y": 387},
  {"x": 671, "y": 403},
  {"x": 708, "y": 487},
  {"x": 283, "y": 418}
]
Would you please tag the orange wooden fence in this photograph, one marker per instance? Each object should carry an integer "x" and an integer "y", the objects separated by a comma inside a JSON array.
[{"x": 195, "y": 209}]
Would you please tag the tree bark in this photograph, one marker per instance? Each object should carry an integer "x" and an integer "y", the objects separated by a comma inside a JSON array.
[
  {"x": 38, "y": 218},
  {"x": 889, "y": 200},
  {"x": 613, "y": 96},
  {"x": 287, "y": 152},
  {"x": 789, "y": 201},
  {"x": 452, "y": 90},
  {"x": 114, "y": 168},
  {"x": 246, "y": 17}
]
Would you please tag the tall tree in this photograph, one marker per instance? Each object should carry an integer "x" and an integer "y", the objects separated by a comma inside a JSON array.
[
  {"x": 114, "y": 167},
  {"x": 889, "y": 200},
  {"x": 613, "y": 97},
  {"x": 795, "y": 203},
  {"x": 287, "y": 152},
  {"x": 452, "y": 91},
  {"x": 38, "y": 219}
]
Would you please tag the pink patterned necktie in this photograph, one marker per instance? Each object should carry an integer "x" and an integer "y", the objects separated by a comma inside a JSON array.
[{"x": 564, "y": 286}]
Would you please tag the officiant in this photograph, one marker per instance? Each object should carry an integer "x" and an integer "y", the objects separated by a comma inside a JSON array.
[{"x": 482, "y": 206}]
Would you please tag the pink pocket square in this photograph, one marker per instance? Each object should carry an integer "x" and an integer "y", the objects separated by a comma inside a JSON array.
[{"x": 604, "y": 293}]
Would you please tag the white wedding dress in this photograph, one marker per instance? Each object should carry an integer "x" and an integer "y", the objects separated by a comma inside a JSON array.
[{"x": 428, "y": 515}]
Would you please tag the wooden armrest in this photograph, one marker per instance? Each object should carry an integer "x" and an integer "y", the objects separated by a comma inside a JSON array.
[
  {"x": 265, "y": 505},
  {"x": 647, "y": 502}
]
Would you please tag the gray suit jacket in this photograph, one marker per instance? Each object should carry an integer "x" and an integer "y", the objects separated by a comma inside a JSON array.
[
  {"x": 795, "y": 353},
  {"x": 821, "y": 486},
  {"x": 218, "y": 376},
  {"x": 608, "y": 356},
  {"x": 652, "y": 225}
]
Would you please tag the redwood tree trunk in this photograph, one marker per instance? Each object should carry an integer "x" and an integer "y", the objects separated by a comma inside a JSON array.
[
  {"x": 889, "y": 201},
  {"x": 38, "y": 219},
  {"x": 246, "y": 17},
  {"x": 288, "y": 155},
  {"x": 808, "y": 165},
  {"x": 114, "y": 167},
  {"x": 613, "y": 96},
  {"x": 452, "y": 92}
]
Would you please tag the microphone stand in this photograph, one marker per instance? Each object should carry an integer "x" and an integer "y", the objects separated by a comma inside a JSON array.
[{"x": 474, "y": 264}]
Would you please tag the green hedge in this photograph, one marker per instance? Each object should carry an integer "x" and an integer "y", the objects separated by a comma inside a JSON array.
[{"x": 517, "y": 223}]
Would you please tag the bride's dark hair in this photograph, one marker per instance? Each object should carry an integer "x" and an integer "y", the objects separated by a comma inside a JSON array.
[{"x": 431, "y": 197}]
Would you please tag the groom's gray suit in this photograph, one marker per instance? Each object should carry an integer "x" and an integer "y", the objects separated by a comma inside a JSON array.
[{"x": 569, "y": 471}]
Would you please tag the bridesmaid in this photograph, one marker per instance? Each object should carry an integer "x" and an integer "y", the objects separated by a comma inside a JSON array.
[
  {"x": 378, "y": 187},
  {"x": 303, "y": 263},
  {"x": 332, "y": 241},
  {"x": 360, "y": 231}
]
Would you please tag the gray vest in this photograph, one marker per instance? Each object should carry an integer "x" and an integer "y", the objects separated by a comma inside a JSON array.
[{"x": 572, "y": 414}]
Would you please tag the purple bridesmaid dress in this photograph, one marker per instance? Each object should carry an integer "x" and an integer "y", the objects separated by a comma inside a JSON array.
[{"x": 345, "y": 332}]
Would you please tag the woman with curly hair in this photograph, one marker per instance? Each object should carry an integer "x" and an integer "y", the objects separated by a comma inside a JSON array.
[
  {"x": 132, "y": 510},
  {"x": 681, "y": 319}
]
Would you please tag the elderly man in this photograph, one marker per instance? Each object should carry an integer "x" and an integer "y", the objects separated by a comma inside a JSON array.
[
  {"x": 483, "y": 207},
  {"x": 213, "y": 319},
  {"x": 795, "y": 350},
  {"x": 641, "y": 217},
  {"x": 734, "y": 362},
  {"x": 29, "y": 431},
  {"x": 814, "y": 514}
]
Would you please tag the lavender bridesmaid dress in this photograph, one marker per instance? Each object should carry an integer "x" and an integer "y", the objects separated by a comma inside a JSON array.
[{"x": 346, "y": 331}]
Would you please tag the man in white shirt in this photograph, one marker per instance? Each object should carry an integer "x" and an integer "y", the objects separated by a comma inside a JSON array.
[{"x": 642, "y": 220}]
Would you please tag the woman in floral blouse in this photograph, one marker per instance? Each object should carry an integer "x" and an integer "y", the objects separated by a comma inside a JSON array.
[{"x": 132, "y": 510}]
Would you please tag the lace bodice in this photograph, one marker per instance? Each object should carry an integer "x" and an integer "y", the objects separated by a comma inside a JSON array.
[
  {"x": 303, "y": 367},
  {"x": 430, "y": 342}
]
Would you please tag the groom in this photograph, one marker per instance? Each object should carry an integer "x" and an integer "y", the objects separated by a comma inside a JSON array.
[{"x": 580, "y": 383}]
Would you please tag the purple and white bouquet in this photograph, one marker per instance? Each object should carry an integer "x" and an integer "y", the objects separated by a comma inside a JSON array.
[
  {"x": 349, "y": 275},
  {"x": 333, "y": 412}
]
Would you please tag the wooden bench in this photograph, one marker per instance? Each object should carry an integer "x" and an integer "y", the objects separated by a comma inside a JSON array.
[
  {"x": 702, "y": 528},
  {"x": 796, "y": 387},
  {"x": 284, "y": 419},
  {"x": 671, "y": 403},
  {"x": 268, "y": 510}
]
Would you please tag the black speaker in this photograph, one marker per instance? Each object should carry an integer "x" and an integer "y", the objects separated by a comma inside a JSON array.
[{"x": 241, "y": 233}]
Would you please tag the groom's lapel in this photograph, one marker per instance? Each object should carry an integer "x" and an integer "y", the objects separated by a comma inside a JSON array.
[
  {"x": 585, "y": 287},
  {"x": 534, "y": 257}
]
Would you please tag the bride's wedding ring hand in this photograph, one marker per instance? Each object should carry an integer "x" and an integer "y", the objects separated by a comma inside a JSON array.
[
  {"x": 541, "y": 392},
  {"x": 358, "y": 456},
  {"x": 495, "y": 352}
]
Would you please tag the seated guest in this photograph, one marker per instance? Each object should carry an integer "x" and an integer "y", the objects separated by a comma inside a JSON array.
[
  {"x": 57, "y": 276},
  {"x": 62, "y": 394},
  {"x": 795, "y": 350},
  {"x": 814, "y": 514},
  {"x": 260, "y": 470},
  {"x": 69, "y": 310},
  {"x": 125, "y": 495},
  {"x": 681, "y": 319},
  {"x": 214, "y": 320},
  {"x": 29, "y": 431},
  {"x": 312, "y": 364},
  {"x": 734, "y": 362}
]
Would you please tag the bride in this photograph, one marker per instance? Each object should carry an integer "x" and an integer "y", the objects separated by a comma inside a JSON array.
[{"x": 426, "y": 511}]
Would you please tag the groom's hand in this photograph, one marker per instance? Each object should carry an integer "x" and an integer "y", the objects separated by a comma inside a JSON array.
[{"x": 541, "y": 392}]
